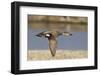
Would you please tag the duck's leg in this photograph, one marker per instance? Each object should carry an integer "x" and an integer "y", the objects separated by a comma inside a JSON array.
[{"x": 52, "y": 46}]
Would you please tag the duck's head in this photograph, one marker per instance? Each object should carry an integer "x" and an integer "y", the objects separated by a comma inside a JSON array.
[{"x": 66, "y": 34}]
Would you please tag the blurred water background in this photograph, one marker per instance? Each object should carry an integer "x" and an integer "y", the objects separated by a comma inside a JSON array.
[{"x": 75, "y": 25}]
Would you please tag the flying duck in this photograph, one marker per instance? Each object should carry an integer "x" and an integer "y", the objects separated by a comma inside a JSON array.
[{"x": 52, "y": 37}]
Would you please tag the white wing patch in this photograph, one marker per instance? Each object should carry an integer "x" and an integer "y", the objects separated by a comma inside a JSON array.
[{"x": 48, "y": 35}]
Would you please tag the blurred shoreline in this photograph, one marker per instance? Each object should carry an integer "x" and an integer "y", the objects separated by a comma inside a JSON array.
[
  {"x": 60, "y": 54},
  {"x": 61, "y": 19}
]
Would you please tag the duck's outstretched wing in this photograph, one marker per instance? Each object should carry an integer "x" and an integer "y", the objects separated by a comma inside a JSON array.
[
  {"x": 42, "y": 34},
  {"x": 52, "y": 46}
]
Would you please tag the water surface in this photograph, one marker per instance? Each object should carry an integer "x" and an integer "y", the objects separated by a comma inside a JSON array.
[{"x": 78, "y": 40}]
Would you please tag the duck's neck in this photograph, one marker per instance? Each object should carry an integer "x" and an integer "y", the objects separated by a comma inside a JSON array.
[{"x": 52, "y": 37}]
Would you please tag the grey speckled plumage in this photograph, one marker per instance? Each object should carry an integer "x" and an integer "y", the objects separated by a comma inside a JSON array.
[{"x": 52, "y": 37}]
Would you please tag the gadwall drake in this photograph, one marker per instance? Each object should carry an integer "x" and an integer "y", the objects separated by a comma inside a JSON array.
[{"x": 52, "y": 37}]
